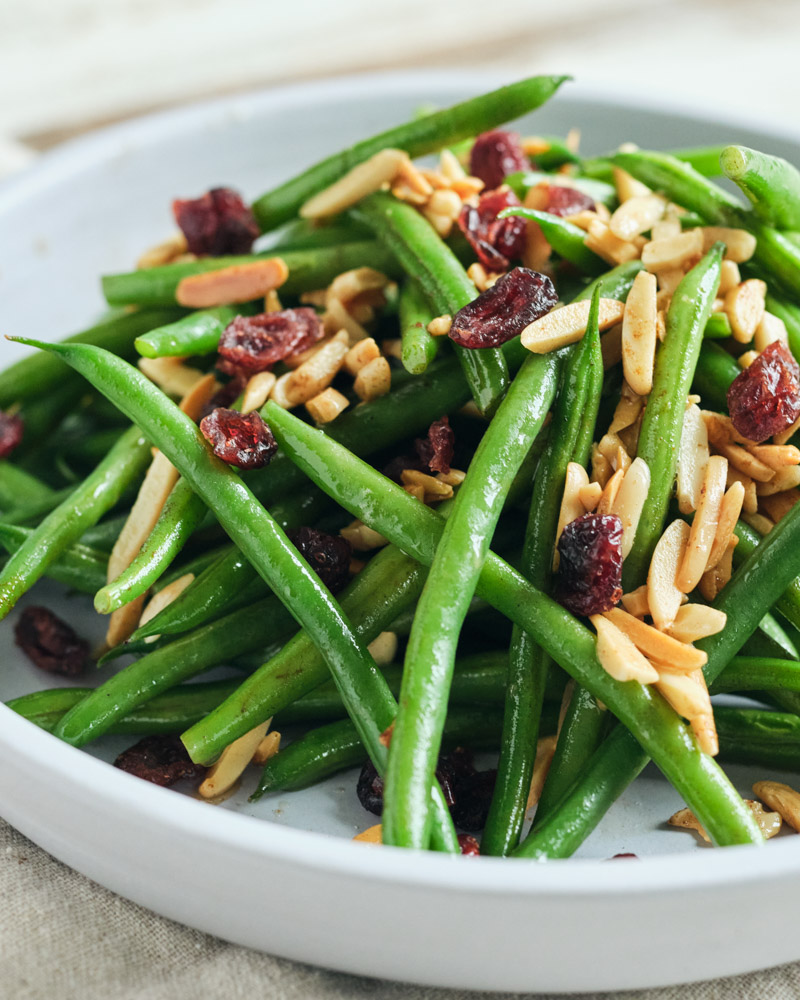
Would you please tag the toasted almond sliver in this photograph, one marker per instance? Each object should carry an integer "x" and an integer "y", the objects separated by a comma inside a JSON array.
[
  {"x": 685, "y": 819},
  {"x": 237, "y": 283},
  {"x": 590, "y": 496},
  {"x": 571, "y": 506},
  {"x": 639, "y": 332},
  {"x": 636, "y": 603},
  {"x": 362, "y": 537},
  {"x": 687, "y": 693},
  {"x": 232, "y": 762},
  {"x": 600, "y": 240},
  {"x": 627, "y": 186},
  {"x": 627, "y": 411},
  {"x": 692, "y": 460},
  {"x": 326, "y": 405},
  {"x": 567, "y": 325},
  {"x": 171, "y": 375},
  {"x": 319, "y": 371},
  {"x": 619, "y": 656},
  {"x": 776, "y": 456},
  {"x": 338, "y": 318},
  {"x": 267, "y": 748},
  {"x": 696, "y": 621},
  {"x": 763, "y": 525},
  {"x": 279, "y": 394},
  {"x": 656, "y": 645},
  {"x": 729, "y": 276},
  {"x": 372, "y": 835},
  {"x": 374, "y": 379},
  {"x": 637, "y": 215},
  {"x": 611, "y": 346},
  {"x": 782, "y": 798},
  {"x": 545, "y": 749},
  {"x": 430, "y": 484},
  {"x": 745, "y": 308},
  {"x": 362, "y": 180},
  {"x": 770, "y": 329},
  {"x": 257, "y": 391},
  {"x": 383, "y": 648},
  {"x": 788, "y": 478},
  {"x": 630, "y": 500},
  {"x": 350, "y": 284},
  {"x": 163, "y": 253},
  {"x": 675, "y": 251},
  {"x": 746, "y": 359},
  {"x": 665, "y": 229},
  {"x": 743, "y": 461},
  {"x": 162, "y": 599},
  {"x": 440, "y": 326},
  {"x": 361, "y": 354},
  {"x": 714, "y": 579},
  {"x": 663, "y": 596},
  {"x": 705, "y": 732},
  {"x": 610, "y": 491},
  {"x": 704, "y": 525},
  {"x": 729, "y": 512},
  {"x": 788, "y": 434},
  {"x": 739, "y": 244},
  {"x": 779, "y": 504},
  {"x": 769, "y": 822}
]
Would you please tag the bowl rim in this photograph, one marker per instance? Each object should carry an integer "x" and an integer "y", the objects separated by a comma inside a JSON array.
[{"x": 680, "y": 872}]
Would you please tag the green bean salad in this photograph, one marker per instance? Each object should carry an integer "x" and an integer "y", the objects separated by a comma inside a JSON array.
[{"x": 489, "y": 451}]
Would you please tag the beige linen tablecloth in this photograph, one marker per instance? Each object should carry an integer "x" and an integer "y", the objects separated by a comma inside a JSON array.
[{"x": 62, "y": 936}]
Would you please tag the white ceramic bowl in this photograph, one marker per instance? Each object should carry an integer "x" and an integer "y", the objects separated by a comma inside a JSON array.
[{"x": 283, "y": 876}]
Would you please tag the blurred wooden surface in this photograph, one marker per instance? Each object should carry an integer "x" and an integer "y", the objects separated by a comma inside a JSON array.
[{"x": 68, "y": 65}]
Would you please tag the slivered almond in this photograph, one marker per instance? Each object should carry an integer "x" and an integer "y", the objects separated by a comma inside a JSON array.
[
  {"x": 769, "y": 822},
  {"x": 600, "y": 240},
  {"x": 763, "y": 525},
  {"x": 372, "y": 835},
  {"x": 636, "y": 603},
  {"x": 356, "y": 184},
  {"x": 601, "y": 467},
  {"x": 729, "y": 276},
  {"x": 668, "y": 652},
  {"x": 663, "y": 596},
  {"x": 571, "y": 506},
  {"x": 637, "y": 215},
  {"x": 267, "y": 748},
  {"x": 661, "y": 325},
  {"x": 786, "y": 478},
  {"x": 630, "y": 500},
  {"x": 776, "y": 456},
  {"x": 745, "y": 462},
  {"x": 729, "y": 511},
  {"x": 739, "y": 244},
  {"x": 430, "y": 484},
  {"x": 350, "y": 284},
  {"x": 686, "y": 693},
  {"x": 455, "y": 477},
  {"x": 618, "y": 655},
  {"x": 163, "y": 253},
  {"x": 665, "y": 229},
  {"x": 545, "y": 750},
  {"x": 257, "y": 391},
  {"x": 567, "y": 325},
  {"x": 627, "y": 186},
  {"x": 627, "y": 411},
  {"x": 696, "y": 621},
  {"x": 779, "y": 505},
  {"x": 450, "y": 167},
  {"x": 383, "y": 648},
  {"x": 272, "y": 302},
  {"x": 362, "y": 537},
  {"x": 279, "y": 395},
  {"x": 782, "y": 798},
  {"x": 675, "y": 251},
  {"x": 786, "y": 435},
  {"x": 319, "y": 371},
  {"x": 326, "y": 405},
  {"x": 745, "y": 308},
  {"x": 609, "y": 445},
  {"x": 639, "y": 331},
  {"x": 611, "y": 346},
  {"x": 171, "y": 375},
  {"x": 232, "y": 762},
  {"x": 440, "y": 326},
  {"x": 770, "y": 329},
  {"x": 163, "y": 599},
  {"x": 704, "y": 525},
  {"x": 705, "y": 732},
  {"x": 714, "y": 579},
  {"x": 668, "y": 281},
  {"x": 746, "y": 359},
  {"x": 237, "y": 283},
  {"x": 693, "y": 458},
  {"x": 590, "y": 496},
  {"x": 337, "y": 318},
  {"x": 373, "y": 380},
  {"x": 610, "y": 491},
  {"x": 361, "y": 354},
  {"x": 685, "y": 819}
]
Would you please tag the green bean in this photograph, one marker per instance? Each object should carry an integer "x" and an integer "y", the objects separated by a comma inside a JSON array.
[
  {"x": 309, "y": 268},
  {"x": 455, "y": 570},
  {"x": 78, "y": 566},
  {"x": 84, "y": 507},
  {"x": 41, "y": 414},
  {"x": 32, "y": 511},
  {"x": 755, "y": 736},
  {"x": 662, "y": 424},
  {"x": 572, "y": 427},
  {"x": 419, "y": 347},
  {"x": 715, "y": 371},
  {"x": 418, "y": 137},
  {"x": 33, "y": 377},
  {"x": 788, "y": 604},
  {"x": 758, "y": 673},
  {"x": 19, "y": 488},
  {"x": 326, "y": 751},
  {"x": 790, "y": 314},
  {"x": 770, "y": 639},
  {"x": 425, "y": 257},
  {"x": 564, "y": 237},
  {"x": 303, "y": 234},
  {"x": 717, "y": 327},
  {"x": 197, "y": 333},
  {"x": 417, "y": 530},
  {"x": 557, "y": 155},
  {"x": 101, "y": 536},
  {"x": 771, "y": 184},
  {"x": 598, "y": 191}
]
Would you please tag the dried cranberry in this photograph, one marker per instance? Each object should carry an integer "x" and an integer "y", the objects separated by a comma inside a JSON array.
[
  {"x": 436, "y": 450},
  {"x": 765, "y": 398},
  {"x": 160, "y": 759},
  {"x": 504, "y": 310},
  {"x": 469, "y": 845},
  {"x": 622, "y": 857},
  {"x": 12, "y": 427},
  {"x": 243, "y": 441},
  {"x": 589, "y": 578},
  {"x": 252, "y": 344},
  {"x": 395, "y": 468},
  {"x": 370, "y": 785},
  {"x": 328, "y": 555},
  {"x": 472, "y": 791},
  {"x": 564, "y": 201},
  {"x": 225, "y": 395},
  {"x": 216, "y": 223},
  {"x": 495, "y": 155},
  {"x": 495, "y": 241},
  {"x": 50, "y": 643}
]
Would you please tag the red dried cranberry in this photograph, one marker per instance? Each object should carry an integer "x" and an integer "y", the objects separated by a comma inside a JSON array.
[
  {"x": 328, "y": 555},
  {"x": 589, "y": 578},
  {"x": 225, "y": 395},
  {"x": 50, "y": 643},
  {"x": 370, "y": 785},
  {"x": 395, "y": 468},
  {"x": 216, "y": 223},
  {"x": 765, "y": 398},
  {"x": 495, "y": 155},
  {"x": 252, "y": 344},
  {"x": 622, "y": 857},
  {"x": 504, "y": 310},
  {"x": 469, "y": 845},
  {"x": 495, "y": 241},
  {"x": 12, "y": 427},
  {"x": 436, "y": 450},
  {"x": 564, "y": 201},
  {"x": 160, "y": 759},
  {"x": 472, "y": 791},
  {"x": 243, "y": 441}
]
